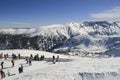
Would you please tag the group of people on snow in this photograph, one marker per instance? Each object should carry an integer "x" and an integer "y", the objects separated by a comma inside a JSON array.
[
  {"x": 37, "y": 58},
  {"x": 2, "y": 63},
  {"x": 55, "y": 59},
  {"x": 2, "y": 73},
  {"x": 28, "y": 61}
]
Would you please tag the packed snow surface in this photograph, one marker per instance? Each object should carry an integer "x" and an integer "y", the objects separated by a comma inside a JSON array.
[{"x": 70, "y": 68}]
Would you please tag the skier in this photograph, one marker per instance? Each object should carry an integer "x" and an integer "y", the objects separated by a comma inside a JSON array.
[
  {"x": 5, "y": 56},
  {"x": 30, "y": 61},
  {"x": 12, "y": 61},
  {"x": 26, "y": 60},
  {"x": 2, "y": 64},
  {"x": 37, "y": 57},
  {"x": 13, "y": 56},
  {"x": 2, "y": 74},
  {"x": 31, "y": 56},
  {"x": 57, "y": 58},
  {"x": 54, "y": 59},
  {"x": 20, "y": 69},
  {"x": 18, "y": 56},
  {"x": 42, "y": 57}
]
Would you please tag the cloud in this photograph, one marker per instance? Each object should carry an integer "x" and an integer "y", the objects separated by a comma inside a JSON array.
[
  {"x": 17, "y": 25},
  {"x": 113, "y": 14}
]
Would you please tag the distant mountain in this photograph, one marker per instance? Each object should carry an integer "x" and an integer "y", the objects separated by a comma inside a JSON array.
[{"x": 85, "y": 37}]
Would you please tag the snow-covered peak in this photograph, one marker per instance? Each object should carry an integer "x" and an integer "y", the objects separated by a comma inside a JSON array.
[
  {"x": 90, "y": 35},
  {"x": 98, "y": 23},
  {"x": 70, "y": 29}
]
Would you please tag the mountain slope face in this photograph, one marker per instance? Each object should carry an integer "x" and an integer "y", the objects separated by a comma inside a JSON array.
[{"x": 92, "y": 37}]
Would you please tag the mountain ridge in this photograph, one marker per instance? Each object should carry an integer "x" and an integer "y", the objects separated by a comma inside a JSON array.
[{"x": 88, "y": 36}]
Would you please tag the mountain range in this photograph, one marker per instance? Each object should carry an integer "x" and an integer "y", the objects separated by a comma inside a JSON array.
[{"x": 85, "y": 37}]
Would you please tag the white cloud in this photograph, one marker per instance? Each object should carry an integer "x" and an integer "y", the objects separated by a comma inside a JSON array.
[
  {"x": 17, "y": 25},
  {"x": 113, "y": 14}
]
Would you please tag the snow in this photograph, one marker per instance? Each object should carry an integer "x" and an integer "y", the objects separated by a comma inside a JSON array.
[
  {"x": 74, "y": 68},
  {"x": 29, "y": 52}
]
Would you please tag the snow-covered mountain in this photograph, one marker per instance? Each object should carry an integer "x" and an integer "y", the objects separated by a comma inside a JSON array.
[{"x": 85, "y": 37}]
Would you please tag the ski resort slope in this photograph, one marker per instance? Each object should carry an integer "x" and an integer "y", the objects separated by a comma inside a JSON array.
[{"x": 73, "y": 68}]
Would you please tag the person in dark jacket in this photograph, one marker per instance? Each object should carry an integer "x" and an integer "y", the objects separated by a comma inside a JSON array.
[
  {"x": 54, "y": 59},
  {"x": 2, "y": 64},
  {"x": 12, "y": 61},
  {"x": 30, "y": 61},
  {"x": 19, "y": 56},
  {"x": 20, "y": 69}
]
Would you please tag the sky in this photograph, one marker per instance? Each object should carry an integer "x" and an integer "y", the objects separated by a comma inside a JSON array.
[{"x": 32, "y": 13}]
